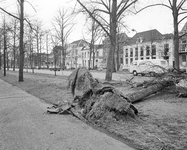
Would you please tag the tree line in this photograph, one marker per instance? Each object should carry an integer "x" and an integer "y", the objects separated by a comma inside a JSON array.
[{"x": 105, "y": 19}]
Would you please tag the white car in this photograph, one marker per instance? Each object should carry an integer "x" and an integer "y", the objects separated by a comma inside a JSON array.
[{"x": 148, "y": 66}]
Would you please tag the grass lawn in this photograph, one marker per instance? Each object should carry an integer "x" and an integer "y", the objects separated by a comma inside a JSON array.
[{"x": 161, "y": 123}]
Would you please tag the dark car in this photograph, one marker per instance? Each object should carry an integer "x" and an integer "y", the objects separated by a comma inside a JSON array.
[{"x": 54, "y": 68}]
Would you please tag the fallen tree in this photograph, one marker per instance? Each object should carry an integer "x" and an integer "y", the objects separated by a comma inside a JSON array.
[
  {"x": 95, "y": 101},
  {"x": 156, "y": 87}
]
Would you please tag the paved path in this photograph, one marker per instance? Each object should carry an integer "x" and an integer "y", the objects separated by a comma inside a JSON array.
[{"x": 24, "y": 125}]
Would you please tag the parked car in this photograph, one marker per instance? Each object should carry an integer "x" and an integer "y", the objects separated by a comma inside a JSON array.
[
  {"x": 148, "y": 66},
  {"x": 53, "y": 68},
  {"x": 101, "y": 67}
]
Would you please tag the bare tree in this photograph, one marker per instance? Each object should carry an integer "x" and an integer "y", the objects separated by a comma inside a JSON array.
[
  {"x": 179, "y": 12},
  {"x": 15, "y": 36},
  {"x": 63, "y": 26},
  {"x": 5, "y": 45},
  {"x": 21, "y": 19},
  {"x": 47, "y": 46},
  {"x": 114, "y": 10},
  {"x": 1, "y": 40},
  {"x": 38, "y": 33},
  {"x": 21, "y": 45},
  {"x": 95, "y": 32}
]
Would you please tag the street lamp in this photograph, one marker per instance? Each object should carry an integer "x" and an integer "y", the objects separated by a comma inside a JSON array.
[{"x": 133, "y": 30}]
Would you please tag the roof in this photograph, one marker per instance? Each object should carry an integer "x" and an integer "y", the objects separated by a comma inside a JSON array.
[
  {"x": 167, "y": 36},
  {"x": 79, "y": 43},
  {"x": 99, "y": 46},
  {"x": 121, "y": 37},
  {"x": 146, "y": 36},
  {"x": 184, "y": 28}
]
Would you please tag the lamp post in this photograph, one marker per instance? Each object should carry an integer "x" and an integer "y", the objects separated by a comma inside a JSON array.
[{"x": 133, "y": 30}]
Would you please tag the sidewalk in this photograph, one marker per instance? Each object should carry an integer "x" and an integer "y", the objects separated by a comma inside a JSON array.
[{"x": 25, "y": 125}]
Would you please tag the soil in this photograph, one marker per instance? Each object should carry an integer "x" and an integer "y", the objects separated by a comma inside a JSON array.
[{"x": 162, "y": 118}]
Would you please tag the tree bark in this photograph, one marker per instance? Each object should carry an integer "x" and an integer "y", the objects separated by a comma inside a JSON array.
[
  {"x": 5, "y": 49},
  {"x": 176, "y": 35},
  {"x": 21, "y": 46},
  {"x": 14, "y": 46},
  {"x": 137, "y": 96},
  {"x": 113, "y": 25}
]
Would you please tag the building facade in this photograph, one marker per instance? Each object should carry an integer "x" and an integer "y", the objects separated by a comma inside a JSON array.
[
  {"x": 78, "y": 54},
  {"x": 96, "y": 59},
  {"x": 121, "y": 41},
  {"x": 183, "y": 47},
  {"x": 148, "y": 45}
]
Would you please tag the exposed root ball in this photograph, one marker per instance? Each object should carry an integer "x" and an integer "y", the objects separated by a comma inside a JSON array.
[{"x": 98, "y": 100}]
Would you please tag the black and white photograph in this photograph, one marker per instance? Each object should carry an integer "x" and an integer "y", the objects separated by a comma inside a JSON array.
[{"x": 93, "y": 74}]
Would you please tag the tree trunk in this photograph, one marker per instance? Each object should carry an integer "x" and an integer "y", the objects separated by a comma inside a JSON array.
[
  {"x": 21, "y": 47},
  {"x": 40, "y": 51},
  {"x": 113, "y": 25},
  {"x": 91, "y": 50},
  {"x": 0, "y": 53},
  {"x": 0, "y": 59},
  {"x": 137, "y": 96},
  {"x": 176, "y": 35},
  {"x": 7, "y": 61},
  {"x": 14, "y": 47},
  {"x": 117, "y": 58},
  {"x": 37, "y": 46},
  {"x": 5, "y": 48}
]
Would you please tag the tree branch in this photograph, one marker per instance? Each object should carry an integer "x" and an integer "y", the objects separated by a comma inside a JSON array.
[
  {"x": 153, "y": 6},
  {"x": 9, "y": 13},
  {"x": 182, "y": 35},
  {"x": 170, "y": 3},
  {"x": 181, "y": 20},
  {"x": 182, "y": 13},
  {"x": 125, "y": 7},
  {"x": 100, "y": 10},
  {"x": 91, "y": 15},
  {"x": 180, "y": 4}
]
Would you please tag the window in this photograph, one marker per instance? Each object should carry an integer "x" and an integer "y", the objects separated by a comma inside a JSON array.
[
  {"x": 183, "y": 45},
  {"x": 153, "y": 50},
  {"x": 147, "y": 50},
  {"x": 121, "y": 60},
  {"x": 183, "y": 58},
  {"x": 166, "y": 51},
  {"x": 131, "y": 60},
  {"x": 131, "y": 52},
  {"x": 126, "y": 52},
  {"x": 97, "y": 54},
  {"x": 126, "y": 61},
  {"x": 136, "y": 51},
  {"x": 141, "y": 51}
]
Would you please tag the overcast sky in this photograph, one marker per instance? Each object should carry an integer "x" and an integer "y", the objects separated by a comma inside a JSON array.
[{"x": 159, "y": 18}]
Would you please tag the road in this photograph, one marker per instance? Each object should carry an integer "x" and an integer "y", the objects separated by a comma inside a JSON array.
[
  {"x": 96, "y": 74},
  {"x": 25, "y": 125},
  {"x": 122, "y": 76}
]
